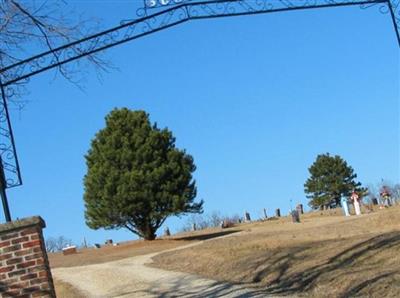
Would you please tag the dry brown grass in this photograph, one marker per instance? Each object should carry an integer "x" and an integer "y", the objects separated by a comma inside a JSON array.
[
  {"x": 109, "y": 253},
  {"x": 125, "y": 250},
  {"x": 325, "y": 255},
  {"x": 65, "y": 290},
  {"x": 129, "y": 249}
]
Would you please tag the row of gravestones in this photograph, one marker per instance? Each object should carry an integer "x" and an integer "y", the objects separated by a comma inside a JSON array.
[
  {"x": 295, "y": 218},
  {"x": 294, "y": 213},
  {"x": 356, "y": 201}
]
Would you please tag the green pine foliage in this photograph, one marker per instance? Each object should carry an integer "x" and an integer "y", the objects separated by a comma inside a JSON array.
[
  {"x": 136, "y": 177},
  {"x": 330, "y": 178}
]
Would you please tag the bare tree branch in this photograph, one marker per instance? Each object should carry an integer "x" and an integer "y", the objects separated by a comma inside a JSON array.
[{"x": 27, "y": 29}]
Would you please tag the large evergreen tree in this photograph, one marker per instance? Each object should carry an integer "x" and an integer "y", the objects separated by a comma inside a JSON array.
[
  {"x": 136, "y": 177},
  {"x": 330, "y": 178}
]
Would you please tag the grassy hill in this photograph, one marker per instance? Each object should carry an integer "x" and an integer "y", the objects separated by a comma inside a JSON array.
[{"x": 326, "y": 255}]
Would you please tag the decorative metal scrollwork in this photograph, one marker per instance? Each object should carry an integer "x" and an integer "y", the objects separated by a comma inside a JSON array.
[
  {"x": 162, "y": 17},
  {"x": 8, "y": 153},
  {"x": 394, "y": 9},
  {"x": 169, "y": 17}
]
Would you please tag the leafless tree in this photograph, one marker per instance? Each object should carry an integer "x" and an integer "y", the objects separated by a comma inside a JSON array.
[
  {"x": 234, "y": 218},
  {"x": 214, "y": 219},
  {"x": 373, "y": 193},
  {"x": 374, "y": 190},
  {"x": 31, "y": 27},
  {"x": 396, "y": 192},
  {"x": 57, "y": 244}
]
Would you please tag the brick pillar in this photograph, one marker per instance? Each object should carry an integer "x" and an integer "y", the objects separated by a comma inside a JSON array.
[{"x": 24, "y": 267}]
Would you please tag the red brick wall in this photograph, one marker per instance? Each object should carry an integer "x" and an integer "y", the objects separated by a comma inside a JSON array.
[{"x": 24, "y": 267}]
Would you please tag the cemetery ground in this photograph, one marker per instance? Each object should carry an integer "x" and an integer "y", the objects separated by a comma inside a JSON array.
[{"x": 326, "y": 255}]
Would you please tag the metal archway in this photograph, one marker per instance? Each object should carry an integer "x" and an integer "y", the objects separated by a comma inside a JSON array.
[{"x": 154, "y": 16}]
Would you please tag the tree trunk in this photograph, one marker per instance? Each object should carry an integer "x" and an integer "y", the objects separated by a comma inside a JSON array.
[
  {"x": 149, "y": 232},
  {"x": 150, "y": 236}
]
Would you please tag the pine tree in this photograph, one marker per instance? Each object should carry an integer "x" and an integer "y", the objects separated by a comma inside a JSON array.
[
  {"x": 136, "y": 177},
  {"x": 331, "y": 177}
]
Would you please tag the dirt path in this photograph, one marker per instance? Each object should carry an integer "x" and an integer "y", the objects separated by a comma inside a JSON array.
[{"x": 132, "y": 278}]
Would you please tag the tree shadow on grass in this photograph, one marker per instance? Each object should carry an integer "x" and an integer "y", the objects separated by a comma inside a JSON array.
[
  {"x": 284, "y": 282},
  {"x": 180, "y": 288},
  {"x": 367, "y": 283},
  {"x": 297, "y": 282},
  {"x": 207, "y": 236}
]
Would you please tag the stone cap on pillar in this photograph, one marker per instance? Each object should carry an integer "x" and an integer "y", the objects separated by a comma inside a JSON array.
[{"x": 22, "y": 223}]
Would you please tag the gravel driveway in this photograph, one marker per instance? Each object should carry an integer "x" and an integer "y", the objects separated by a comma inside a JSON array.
[{"x": 131, "y": 277}]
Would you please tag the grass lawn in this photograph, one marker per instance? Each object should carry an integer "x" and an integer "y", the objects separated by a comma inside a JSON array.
[
  {"x": 133, "y": 248},
  {"x": 65, "y": 290},
  {"x": 326, "y": 255},
  {"x": 124, "y": 250}
]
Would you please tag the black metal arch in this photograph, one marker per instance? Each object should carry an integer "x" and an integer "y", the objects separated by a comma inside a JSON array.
[{"x": 160, "y": 19}]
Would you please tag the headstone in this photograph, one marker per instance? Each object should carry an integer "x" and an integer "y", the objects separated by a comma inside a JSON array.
[
  {"x": 375, "y": 201},
  {"x": 385, "y": 195},
  {"x": 193, "y": 227},
  {"x": 299, "y": 208},
  {"x": 295, "y": 216},
  {"x": 247, "y": 217},
  {"x": 70, "y": 250},
  {"x": 278, "y": 212},
  {"x": 345, "y": 205},
  {"x": 167, "y": 232},
  {"x": 356, "y": 203}
]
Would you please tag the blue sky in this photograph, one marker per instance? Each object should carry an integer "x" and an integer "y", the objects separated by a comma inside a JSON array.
[{"x": 254, "y": 99}]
